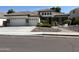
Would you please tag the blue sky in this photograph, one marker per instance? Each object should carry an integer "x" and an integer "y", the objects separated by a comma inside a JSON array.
[{"x": 65, "y": 9}]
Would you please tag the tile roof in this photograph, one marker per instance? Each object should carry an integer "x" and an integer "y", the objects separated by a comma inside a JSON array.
[
  {"x": 22, "y": 14},
  {"x": 75, "y": 11},
  {"x": 45, "y": 10},
  {"x": 57, "y": 13}
]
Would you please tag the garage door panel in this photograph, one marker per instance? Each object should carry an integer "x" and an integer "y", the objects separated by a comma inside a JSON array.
[
  {"x": 33, "y": 22},
  {"x": 17, "y": 22}
]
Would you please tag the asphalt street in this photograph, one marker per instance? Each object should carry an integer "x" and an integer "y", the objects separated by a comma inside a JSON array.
[{"x": 40, "y": 43}]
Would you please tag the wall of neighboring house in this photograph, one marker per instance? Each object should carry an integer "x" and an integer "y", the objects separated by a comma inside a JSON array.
[
  {"x": 1, "y": 21},
  {"x": 2, "y": 18},
  {"x": 74, "y": 13}
]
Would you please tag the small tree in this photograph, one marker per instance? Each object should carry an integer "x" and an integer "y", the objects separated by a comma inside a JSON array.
[{"x": 10, "y": 11}]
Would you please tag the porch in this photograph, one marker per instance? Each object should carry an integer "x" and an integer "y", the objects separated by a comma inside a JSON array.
[{"x": 58, "y": 19}]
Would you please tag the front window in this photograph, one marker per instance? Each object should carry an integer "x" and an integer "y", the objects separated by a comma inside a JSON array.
[
  {"x": 48, "y": 13},
  {"x": 42, "y": 13},
  {"x": 45, "y": 13}
]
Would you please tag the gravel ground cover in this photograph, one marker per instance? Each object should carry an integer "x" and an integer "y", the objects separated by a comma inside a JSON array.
[{"x": 45, "y": 29}]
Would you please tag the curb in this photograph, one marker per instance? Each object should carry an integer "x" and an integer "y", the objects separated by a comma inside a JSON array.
[{"x": 42, "y": 33}]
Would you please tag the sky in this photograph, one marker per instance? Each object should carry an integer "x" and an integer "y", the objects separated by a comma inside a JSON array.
[{"x": 64, "y": 9}]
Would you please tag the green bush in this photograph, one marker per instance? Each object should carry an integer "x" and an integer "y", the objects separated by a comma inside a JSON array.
[
  {"x": 39, "y": 24},
  {"x": 76, "y": 21},
  {"x": 44, "y": 21},
  {"x": 67, "y": 22},
  {"x": 43, "y": 25}
]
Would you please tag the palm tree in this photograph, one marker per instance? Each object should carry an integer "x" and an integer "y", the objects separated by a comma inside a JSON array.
[{"x": 56, "y": 9}]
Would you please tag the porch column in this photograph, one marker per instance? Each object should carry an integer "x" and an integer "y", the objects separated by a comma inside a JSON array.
[
  {"x": 60, "y": 20},
  {"x": 39, "y": 20}
]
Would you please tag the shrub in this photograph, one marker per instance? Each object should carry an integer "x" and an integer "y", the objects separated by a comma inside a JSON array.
[
  {"x": 67, "y": 22},
  {"x": 44, "y": 21},
  {"x": 76, "y": 21},
  {"x": 43, "y": 25},
  {"x": 39, "y": 24}
]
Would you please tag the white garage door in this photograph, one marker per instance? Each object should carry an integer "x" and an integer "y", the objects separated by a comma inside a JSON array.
[
  {"x": 17, "y": 22},
  {"x": 33, "y": 22}
]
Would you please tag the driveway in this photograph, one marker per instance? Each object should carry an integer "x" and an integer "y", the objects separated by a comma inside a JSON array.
[{"x": 17, "y": 29}]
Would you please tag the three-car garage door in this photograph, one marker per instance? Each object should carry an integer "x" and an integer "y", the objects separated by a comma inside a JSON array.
[{"x": 18, "y": 22}]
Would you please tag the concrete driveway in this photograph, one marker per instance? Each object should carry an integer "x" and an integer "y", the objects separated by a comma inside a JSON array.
[{"x": 17, "y": 29}]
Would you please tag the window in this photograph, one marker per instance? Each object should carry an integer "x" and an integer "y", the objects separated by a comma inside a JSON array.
[
  {"x": 42, "y": 13},
  {"x": 48, "y": 13},
  {"x": 45, "y": 13}
]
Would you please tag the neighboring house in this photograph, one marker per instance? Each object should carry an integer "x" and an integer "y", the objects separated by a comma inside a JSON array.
[
  {"x": 2, "y": 18},
  {"x": 74, "y": 13}
]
